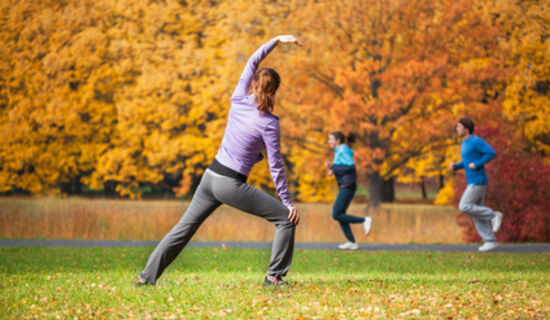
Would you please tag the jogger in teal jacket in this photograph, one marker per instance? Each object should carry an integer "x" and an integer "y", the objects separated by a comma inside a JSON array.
[{"x": 343, "y": 168}]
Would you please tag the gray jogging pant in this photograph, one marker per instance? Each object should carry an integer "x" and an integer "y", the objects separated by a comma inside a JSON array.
[
  {"x": 471, "y": 204},
  {"x": 213, "y": 190}
]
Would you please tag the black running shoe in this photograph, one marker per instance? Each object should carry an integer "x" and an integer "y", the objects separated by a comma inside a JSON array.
[{"x": 275, "y": 281}]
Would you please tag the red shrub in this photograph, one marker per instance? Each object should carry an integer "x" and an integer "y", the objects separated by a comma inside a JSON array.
[{"x": 519, "y": 186}]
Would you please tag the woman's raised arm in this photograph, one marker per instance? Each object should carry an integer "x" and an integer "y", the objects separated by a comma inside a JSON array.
[{"x": 254, "y": 61}]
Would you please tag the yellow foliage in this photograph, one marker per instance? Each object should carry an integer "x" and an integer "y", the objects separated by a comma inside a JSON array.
[
  {"x": 445, "y": 195},
  {"x": 124, "y": 94},
  {"x": 117, "y": 92},
  {"x": 432, "y": 164},
  {"x": 527, "y": 95}
]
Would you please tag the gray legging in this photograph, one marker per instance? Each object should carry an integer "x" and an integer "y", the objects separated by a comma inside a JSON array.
[{"x": 215, "y": 189}]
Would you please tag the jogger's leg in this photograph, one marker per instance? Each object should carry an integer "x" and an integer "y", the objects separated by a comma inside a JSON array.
[
  {"x": 254, "y": 201},
  {"x": 201, "y": 206},
  {"x": 347, "y": 231},
  {"x": 483, "y": 226},
  {"x": 343, "y": 200},
  {"x": 471, "y": 203}
]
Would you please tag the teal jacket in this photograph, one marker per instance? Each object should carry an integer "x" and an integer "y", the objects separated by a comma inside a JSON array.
[{"x": 343, "y": 166}]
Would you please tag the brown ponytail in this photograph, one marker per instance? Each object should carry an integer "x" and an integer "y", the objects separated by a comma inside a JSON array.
[
  {"x": 350, "y": 139},
  {"x": 265, "y": 84},
  {"x": 341, "y": 138}
]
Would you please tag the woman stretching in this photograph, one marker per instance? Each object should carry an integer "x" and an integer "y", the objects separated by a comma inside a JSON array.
[
  {"x": 251, "y": 128},
  {"x": 343, "y": 168}
]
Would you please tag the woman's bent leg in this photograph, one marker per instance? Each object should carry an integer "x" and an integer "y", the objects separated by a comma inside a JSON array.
[{"x": 254, "y": 201}]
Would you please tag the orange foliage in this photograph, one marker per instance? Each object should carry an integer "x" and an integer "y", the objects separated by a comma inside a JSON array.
[
  {"x": 119, "y": 95},
  {"x": 397, "y": 73}
]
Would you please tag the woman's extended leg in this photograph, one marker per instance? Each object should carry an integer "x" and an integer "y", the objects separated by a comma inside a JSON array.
[{"x": 201, "y": 206}]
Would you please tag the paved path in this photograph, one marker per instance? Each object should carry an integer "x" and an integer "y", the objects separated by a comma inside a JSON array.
[{"x": 507, "y": 247}]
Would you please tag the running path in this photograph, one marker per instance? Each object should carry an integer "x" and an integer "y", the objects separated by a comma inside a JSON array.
[{"x": 506, "y": 247}]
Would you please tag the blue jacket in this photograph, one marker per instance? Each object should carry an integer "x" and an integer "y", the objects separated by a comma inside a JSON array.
[
  {"x": 475, "y": 150},
  {"x": 343, "y": 166}
]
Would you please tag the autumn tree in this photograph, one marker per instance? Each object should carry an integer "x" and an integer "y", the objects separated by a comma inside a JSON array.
[
  {"x": 525, "y": 25},
  {"x": 519, "y": 176},
  {"x": 394, "y": 72},
  {"x": 56, "y": 107},
  {"x": 523, "y": 97},
  {"x": 116, "y": 95}
]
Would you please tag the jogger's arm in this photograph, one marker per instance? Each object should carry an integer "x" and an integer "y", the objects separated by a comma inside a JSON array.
[
  {"x": 458, "y": 166},
  {"x": 487, "y": 151}
]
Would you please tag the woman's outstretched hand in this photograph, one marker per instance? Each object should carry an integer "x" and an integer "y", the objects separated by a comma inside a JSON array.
[{"x": 288, "y": 39}]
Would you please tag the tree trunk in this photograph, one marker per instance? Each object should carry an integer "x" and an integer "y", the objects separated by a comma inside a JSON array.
[
  {"x": 73, "y": 187},
  {"x": 423, "y": 187},
  {"x": 388, "y": 190},
  {"x": 380, "y": 190},
  {"x": 375, "y": 189},
  {"x": 109, "y": 188},
  {"x": 441, "y": 181}
]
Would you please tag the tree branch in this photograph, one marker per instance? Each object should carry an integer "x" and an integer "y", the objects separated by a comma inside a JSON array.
[{"x": 327, "y": 81}]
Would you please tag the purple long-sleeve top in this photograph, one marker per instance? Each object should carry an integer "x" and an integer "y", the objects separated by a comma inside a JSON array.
[{"x": 250, "y": 131}]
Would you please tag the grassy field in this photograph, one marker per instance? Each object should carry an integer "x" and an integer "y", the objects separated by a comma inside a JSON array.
[
  {"x": 104, "y": 219},
  {"x": 208, "y": 283}
]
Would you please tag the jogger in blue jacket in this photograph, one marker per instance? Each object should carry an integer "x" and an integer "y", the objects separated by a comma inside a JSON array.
[
  {"x": 475, "y": 154},
  {"x": 343, "y": 168}
]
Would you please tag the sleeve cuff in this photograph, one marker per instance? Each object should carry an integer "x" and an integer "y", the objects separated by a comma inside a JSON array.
[{"x": 288, "y": 203}]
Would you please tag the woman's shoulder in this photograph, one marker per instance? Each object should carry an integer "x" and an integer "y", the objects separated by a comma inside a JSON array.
[
  {"x": 243, "y": 99},
  {"x": 475, "y": 140},
  {"x": 344, "y": 149},
  {"x": 269, "y": 118}
]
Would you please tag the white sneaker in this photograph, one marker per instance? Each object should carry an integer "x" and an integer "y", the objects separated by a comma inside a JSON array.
[
  {"x": 497, "y": 221},
  {"x": 348, "y": 246},
  {"x": 487, "y": 246},
  {"x": 366, "y": 225}
]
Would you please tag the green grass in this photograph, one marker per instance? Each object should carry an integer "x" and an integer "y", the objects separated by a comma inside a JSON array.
[
  {"x": 206, "y": 283},
  {"x": 402, "y": 191}
]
